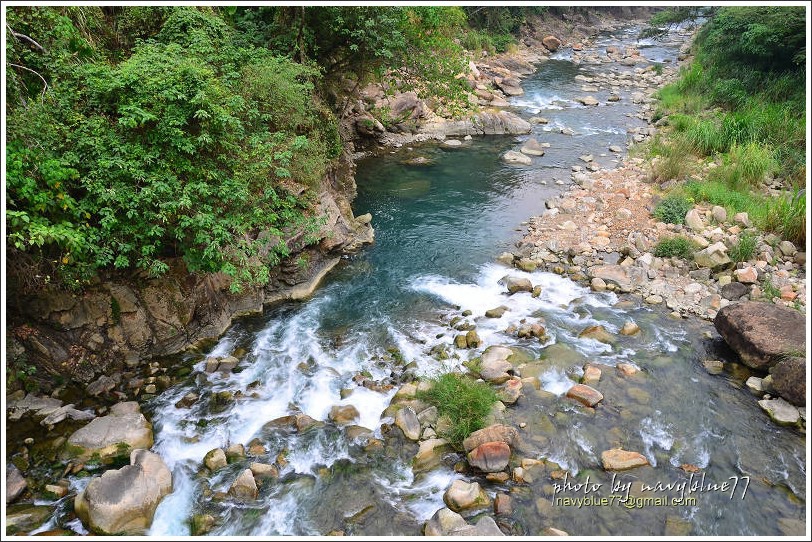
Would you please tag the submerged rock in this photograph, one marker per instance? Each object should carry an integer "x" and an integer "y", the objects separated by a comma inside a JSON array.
[
  {"x": 25, "y": 517},
  {"x": 617, "y": 459},
  {"x": 123, "y": 501},
  {"x": 498, "y": 312},
  {"x": 513, "y": 157},
  {"x": 597, "y": 333}
]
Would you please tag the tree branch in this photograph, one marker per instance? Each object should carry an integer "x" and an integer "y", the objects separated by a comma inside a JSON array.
[
  {"x": 44, "y": 82},
  {"x": 26, "y": 38}
]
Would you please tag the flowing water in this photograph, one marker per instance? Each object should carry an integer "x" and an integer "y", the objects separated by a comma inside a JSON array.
[{"x": 438, "y": 229}]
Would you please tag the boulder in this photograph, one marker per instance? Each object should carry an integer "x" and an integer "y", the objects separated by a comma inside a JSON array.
[
  {"x": 511, "y": 391},
  {"x": 114, "y": 435},
  {"x": 490, "y": 456},
  {"x": 407, "y": 106},
  {"x": 215, "y": 459},
  {"x": 513, "y": 157},
  {"x": 587, "y": 100},
  {"x": 787, "y": 248},
  {"x": 532, "y": 147},
  {"x": 516, "y": 284},
  {"x": 464, "y": 496},
  {"x": 472, "y": 339},
  {"x": 762, "y": 334},
  {"x": 25, "y": 517},
  {"x": 244, "y": 487},
  {"x": 343, "y": 415},
  {"x": 494, "y": 365},
  {"x": 694, "y": 221},
  {"x": 585, "y": 395},
  {"x": 430, "y": 454},
  {"x": 551, "y": 42},
  {"x": 789, "y": 379},
  {"x": 592, "y": 375},
  {"x": 263, "y": 470},
  {"x": 597, "y": 333},
  {"x": 624, "y": 278},
  {"x": 713, "y": 257},
  {"x": 406, "y": 419},
  {"x": 15, "y": 483},
  {"x": 498, "y": 312},
  {"x": 617, "y": 459},
  {"x": 734, "y": 290},
  {"x": 780, "y": 411},
  {"x": 719, "y": 214},
  {"x": 492, "y": 433},
  {"x": 123, "y": 501},
  {"x": 486, "y": 526},
  {"x": 747, "y": 275},
  {"x": 443, "y": 523}
]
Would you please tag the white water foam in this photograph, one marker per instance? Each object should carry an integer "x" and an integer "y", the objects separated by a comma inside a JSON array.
[{"x": 654, "y": 432}]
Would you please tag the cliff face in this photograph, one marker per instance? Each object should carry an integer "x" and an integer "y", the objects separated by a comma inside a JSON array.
[{"x": 125, "y": 320}]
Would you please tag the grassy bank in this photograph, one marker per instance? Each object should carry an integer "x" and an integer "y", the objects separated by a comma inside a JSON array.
[{"x": 735, "y": 121}]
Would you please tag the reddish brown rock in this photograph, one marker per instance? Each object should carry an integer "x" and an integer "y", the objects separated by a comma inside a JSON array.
[
  {"x": 585, "y": 395},
  {"x": 492, "y": 433},
  {"x": 490, "y": 457}
]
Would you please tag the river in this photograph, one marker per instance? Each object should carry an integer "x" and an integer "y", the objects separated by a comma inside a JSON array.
[{"x": 439, "y": 228}]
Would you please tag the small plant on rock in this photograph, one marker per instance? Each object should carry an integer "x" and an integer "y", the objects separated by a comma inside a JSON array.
[
  {"x": 744, "y": 248},
  {"x": 679, "y": 246},
  {"x": 672, "y": 209},
  {"x": 463, "y": 400}
]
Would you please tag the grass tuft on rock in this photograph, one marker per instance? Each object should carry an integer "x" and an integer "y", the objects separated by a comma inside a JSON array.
[
  {"x": 675, "y": 246},
  {"x": 465, "y": 401}
]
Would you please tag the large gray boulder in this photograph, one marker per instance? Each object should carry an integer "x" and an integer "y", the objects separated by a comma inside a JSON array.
[
  {"x": 762, "y": 334},
  {"x": 123, "y": 501},
  {"x": 114, "y": 435}
]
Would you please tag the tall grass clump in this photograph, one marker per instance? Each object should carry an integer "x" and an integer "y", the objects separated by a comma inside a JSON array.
[
  {"x": 674, "y": 159},
  {"x": 465, "y": 401},
  {"x": 746, "y": 166},
  {"x": 744, "y": 248}
]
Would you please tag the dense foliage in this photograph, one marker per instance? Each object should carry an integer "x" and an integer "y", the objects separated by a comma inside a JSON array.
[
  {"x": 194, "y": 145},
  {"x": 742, "y": 102},
  {"x": 139, "y": 133}
]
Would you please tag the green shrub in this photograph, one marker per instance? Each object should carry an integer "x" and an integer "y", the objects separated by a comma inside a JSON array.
[
  {"x": 465, "y": 401},
  {"x": 744, "y": 248},
  {"x": 672, "y": 209},
  {"x": 679, "y": 246}
]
